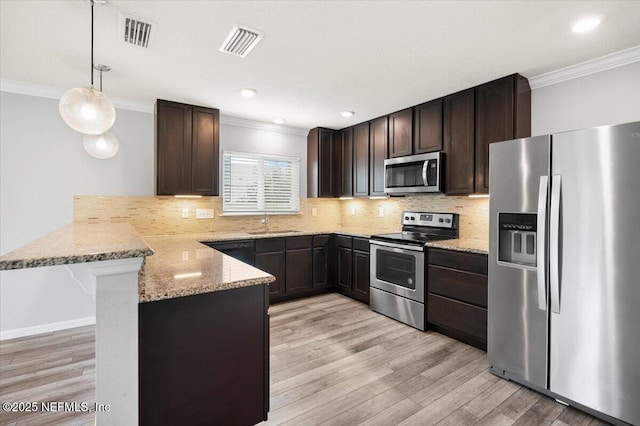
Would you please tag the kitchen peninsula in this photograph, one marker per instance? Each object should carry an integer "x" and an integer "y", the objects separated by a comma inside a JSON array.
[{"x": 200, "y": 334}]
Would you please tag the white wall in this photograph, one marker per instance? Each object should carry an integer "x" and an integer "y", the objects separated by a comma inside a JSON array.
[
  {"x": 43, "y": 165},
  {"x": 602, "y": 98}
]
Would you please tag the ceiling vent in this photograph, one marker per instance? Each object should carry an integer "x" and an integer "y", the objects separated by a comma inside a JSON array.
[
  {"x": 135, "y": 31},
  {"x": 240, "y": 41}
]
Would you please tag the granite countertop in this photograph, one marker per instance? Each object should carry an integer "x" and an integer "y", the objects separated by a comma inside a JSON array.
[
  {"x": 462, "y": 244},
  {"x": 182, "y": 266},
  {"x": 79, "y": 242}
]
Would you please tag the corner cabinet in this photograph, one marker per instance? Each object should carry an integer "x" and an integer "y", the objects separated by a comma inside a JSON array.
[{"x": 187, "y": 149}]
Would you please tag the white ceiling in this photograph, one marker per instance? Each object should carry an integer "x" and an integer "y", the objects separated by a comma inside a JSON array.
[{"x": 317, "y": 58}]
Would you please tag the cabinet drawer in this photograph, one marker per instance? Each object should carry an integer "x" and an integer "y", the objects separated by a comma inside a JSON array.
[
  {"x": 321, "y": 240},
  {"x": 299, "y": 242},
  {"x": 361, "y": 244},
  {"x": 471, "y": 262},
  {"x": 463, "y": 319},
  {"x": 343, "y": 241},
  {"x": 464, "y": 286},
  {"x": 269, "y": 245}
]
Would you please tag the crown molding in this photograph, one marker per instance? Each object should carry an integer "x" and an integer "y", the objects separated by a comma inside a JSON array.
[
  {"x": 21, "y": 88},
  {"x": 603, "y": 63},
  {"x": 228, "y": 120}
]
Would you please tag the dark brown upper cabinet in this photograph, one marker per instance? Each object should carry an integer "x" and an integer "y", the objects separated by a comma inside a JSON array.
[
  {"x": 503, "y": 112},
  {"x": 344, "y": 162},
  {"x": 427, "y": 127},
  {"x": 459, "y": 142},
  {"x": 378, "y": 134},
  {"x": 321, "y": 171},
  {"x": 401, "y": 133},
  {"x": 361, "y": 160},
  {"x": 187, "y": 149}
]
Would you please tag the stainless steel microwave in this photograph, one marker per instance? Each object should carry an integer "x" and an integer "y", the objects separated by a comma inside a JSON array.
[{"x": 414, "y": 173}]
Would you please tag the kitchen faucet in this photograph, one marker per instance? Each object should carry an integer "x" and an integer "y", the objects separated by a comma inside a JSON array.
[{"x": 266, "y": 223}]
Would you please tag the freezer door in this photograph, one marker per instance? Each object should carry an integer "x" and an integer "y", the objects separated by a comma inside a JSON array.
[
  {"x": 595, "y": 319},
  {"x": 517, "y": 310}
]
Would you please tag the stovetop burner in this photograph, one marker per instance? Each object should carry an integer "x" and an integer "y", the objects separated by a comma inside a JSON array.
[{"x": 419, "y": 228}]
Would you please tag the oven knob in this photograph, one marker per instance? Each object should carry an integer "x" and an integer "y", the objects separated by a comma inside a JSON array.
[
  {"x": 447, "y": 220},
  {"x": 413, "y": 218},
  {"x": 406, "y": 218},
  {"x": 441, "y": 220}
]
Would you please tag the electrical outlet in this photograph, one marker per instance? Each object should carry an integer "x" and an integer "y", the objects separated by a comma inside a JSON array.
[
  {"x": 380, "y": 211},
  {"x": 185, "y": 212},
  {"x": 204, "y": 213},
  {"x": 314, "y": 212},
  {"x": 353, "y": 211},
  {"x": 185, "y": 255}
]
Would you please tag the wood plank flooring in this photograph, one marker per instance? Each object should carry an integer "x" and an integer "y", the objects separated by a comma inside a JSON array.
[{"x": 333, "y": 362}]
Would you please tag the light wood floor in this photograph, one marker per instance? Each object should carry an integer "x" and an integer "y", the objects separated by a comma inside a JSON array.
[{"x": 333, "y": 362}]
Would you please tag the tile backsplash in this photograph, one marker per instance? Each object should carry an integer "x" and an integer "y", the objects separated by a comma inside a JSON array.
[{"x": 162, "y": 215}]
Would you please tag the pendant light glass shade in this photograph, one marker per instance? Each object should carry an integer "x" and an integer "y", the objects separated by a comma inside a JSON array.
[
  {"x": 101, "y": 146},
  {"x": 87, "y": 110}
]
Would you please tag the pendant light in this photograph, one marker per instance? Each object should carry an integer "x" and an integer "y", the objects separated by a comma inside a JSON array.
[
  {"x": 104, "y": 145},
  {"x": 85, "y": 109}
]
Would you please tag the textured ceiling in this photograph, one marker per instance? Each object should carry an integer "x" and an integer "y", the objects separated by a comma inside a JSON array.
[{"x": 317, "y": 57}]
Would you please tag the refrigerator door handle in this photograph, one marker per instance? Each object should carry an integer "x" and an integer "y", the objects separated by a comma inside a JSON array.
[
  {"x": 554, "y": 243},
  {"x": 541, "y": 241}
]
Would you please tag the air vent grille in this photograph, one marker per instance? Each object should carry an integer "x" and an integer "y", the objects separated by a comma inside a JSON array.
[
  {"x": 240, "y": 41},
  {"x": 136, "y": 32}
]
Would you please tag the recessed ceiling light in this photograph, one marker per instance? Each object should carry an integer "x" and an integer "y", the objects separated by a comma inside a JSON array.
[
  {"x": 586, "y": 24},
  {"x": 248, "y": 93},
  {"x": 347, "y": 114},
  {"x": 278, "y": 120}
]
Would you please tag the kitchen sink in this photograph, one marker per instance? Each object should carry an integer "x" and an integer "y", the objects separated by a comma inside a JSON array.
[{"x": 286, "y": 231}]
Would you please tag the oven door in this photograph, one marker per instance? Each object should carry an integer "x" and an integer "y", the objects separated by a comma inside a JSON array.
[{"x": 398, "y": 269}]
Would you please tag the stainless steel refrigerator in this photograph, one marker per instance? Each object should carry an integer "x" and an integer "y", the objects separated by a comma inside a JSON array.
[{"x": 564, "y": 267}]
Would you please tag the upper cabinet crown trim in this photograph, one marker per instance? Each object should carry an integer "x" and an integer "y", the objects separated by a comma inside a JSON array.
[{"x": 603, "y": 63}]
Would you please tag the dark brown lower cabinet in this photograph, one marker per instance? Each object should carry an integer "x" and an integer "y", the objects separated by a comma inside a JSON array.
[
  {"x": 353, "y": 267},
  {"x": 204, "y": 359},
  {"x": 299, "y": 265},
  {"x": 457, "y": 295},
  {"x": 270, "y": 257},
  {"x": 322, "y": 271}
]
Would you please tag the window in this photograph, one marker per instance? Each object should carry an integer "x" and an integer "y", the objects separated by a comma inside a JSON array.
[{"x": 260, "y": 183}]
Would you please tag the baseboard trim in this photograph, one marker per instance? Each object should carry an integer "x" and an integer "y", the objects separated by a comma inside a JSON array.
[{"x": 46, "y": 328}]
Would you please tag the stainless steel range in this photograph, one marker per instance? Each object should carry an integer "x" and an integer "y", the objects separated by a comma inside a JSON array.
[{"x": 398, "y": 265}]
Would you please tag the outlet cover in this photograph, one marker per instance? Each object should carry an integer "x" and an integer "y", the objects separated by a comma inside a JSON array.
[
  {"x": 380, "y": 211},
  {"x": 204, "y": 213},
  {"x": 185, "y": 213},
  {"x": 314, "y": 212}
]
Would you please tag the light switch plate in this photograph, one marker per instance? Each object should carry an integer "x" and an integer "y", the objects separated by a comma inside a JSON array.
[{"x": 204, "y": 213}]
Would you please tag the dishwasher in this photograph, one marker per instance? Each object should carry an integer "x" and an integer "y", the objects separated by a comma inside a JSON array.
[{"x": 241, "y": 250}]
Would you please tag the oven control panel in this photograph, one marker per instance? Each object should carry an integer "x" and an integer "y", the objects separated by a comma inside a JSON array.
[{"x": 440, "y": 220}]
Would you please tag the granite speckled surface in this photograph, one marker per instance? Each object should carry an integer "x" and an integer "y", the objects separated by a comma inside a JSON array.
[
  {"x": 463, "y": 244},
  {"x": 181, "y": 266},
  {"x": 79, "y": 242}
]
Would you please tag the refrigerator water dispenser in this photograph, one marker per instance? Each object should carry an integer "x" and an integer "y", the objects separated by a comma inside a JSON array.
[{"x": 517, "y": 239}]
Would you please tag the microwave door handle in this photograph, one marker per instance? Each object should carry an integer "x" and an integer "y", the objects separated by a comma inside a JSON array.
[
  {"x": 541, "y": 242},
  {"x": 424, "y": 173}
]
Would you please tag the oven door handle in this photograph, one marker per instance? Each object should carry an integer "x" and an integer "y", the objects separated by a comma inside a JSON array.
[{"x": 398, "y": 246}]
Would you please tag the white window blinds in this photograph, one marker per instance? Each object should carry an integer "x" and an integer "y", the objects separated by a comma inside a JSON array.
[{"x": 260, "y": 183}]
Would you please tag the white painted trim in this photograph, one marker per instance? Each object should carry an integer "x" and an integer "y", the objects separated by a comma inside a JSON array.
[
  {"x": 228, "y": 120},
  {"x": 603, "y": 63},
  {"x": 46, "y": 328},
  {"x": 21, "y": 88}
]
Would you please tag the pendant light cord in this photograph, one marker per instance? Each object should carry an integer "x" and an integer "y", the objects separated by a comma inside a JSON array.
[{"x": 92, "y": 43}]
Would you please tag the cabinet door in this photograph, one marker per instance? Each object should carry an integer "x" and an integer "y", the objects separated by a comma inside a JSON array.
[
  {"x": 427, "y": 127},
  {"x": 173, "y": 139},
  {"x": 344, "y": 162},
  {"x": 320, "y": 267},
  {"x": 361, "y": 160},
  {"x": 400, "y": 133},
  {"x": 325, "y": 166},
  {"x": 361, "y": 276},
  {"x": 273, "y": 263},
  {"x": 494, "y": 123},
  {"x": 459, "y": 142},
  {"x": 205, "y": 152},
  {"x": 378, "y": 133},
  {"x": 344, "y": 269},
  {"x": 299, "y": 271}
]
